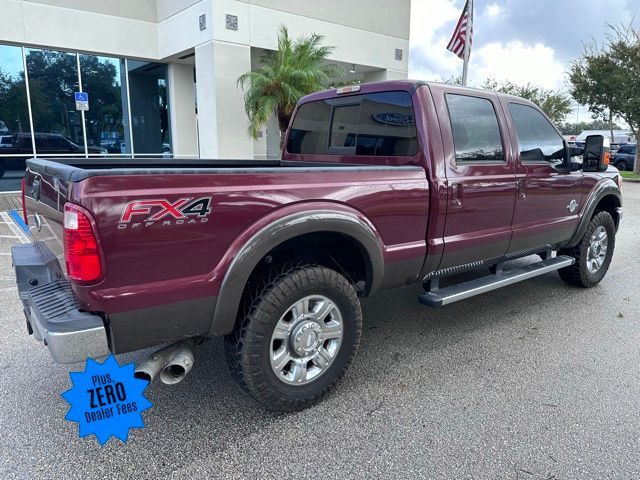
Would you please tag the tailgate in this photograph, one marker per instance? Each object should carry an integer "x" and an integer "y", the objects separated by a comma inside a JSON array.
[{"x": 45, "y": 196}]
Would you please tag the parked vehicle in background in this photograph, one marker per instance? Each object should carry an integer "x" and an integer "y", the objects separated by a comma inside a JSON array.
[
  {"x": 625, "y": 157},
  {"x": 46, "y": 144},
  {"x": 380, "y": 185},
  {"x": 619, "y": 136},
  {"x": 6, "y": 141}
]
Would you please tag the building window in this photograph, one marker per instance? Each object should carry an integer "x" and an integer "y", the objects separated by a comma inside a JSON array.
[
  {"x": 128, "y": 112},
  {"x": 53, "y": 79},
  {"x": 107, "y": 120},
  {"x": 15, "y": 128},
  {"x": 149, "y": 108}
]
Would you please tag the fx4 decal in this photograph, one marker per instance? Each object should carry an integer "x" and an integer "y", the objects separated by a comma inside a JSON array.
[{"x": 145, "y": 213}]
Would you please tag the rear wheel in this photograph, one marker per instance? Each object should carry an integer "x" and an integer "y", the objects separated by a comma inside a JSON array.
[
  {"x": 296, "y": 337},
  {"x": 593, "y": 254},
  {"x": 1, "y": 169},
  {"x": 621, "y": 165}
]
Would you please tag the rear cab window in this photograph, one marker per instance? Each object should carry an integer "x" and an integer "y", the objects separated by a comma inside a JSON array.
[{"x": 375, "y": 124}]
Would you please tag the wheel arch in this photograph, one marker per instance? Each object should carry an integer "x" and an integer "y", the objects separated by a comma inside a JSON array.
[
  {"x": 348, "y": 227},
  {"x": 605, "y": 196}
]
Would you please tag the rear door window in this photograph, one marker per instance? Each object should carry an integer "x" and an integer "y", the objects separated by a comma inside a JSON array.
[
  {"x": 476, "y": 133},
  {"x": 376, "y": 124}
]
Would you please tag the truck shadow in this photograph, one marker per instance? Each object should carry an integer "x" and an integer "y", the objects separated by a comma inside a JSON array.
[{"x": 398, "y": 333}]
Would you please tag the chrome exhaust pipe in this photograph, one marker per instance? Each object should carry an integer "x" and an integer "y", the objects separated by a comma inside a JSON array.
[
  {"x": 181, "y": 362},
  {"x": 151, "y": 368}
]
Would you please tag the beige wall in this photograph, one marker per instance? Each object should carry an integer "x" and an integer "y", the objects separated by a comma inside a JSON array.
[{"x": 364, "y": 32}]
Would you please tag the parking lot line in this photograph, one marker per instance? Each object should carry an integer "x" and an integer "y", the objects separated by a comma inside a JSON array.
[{"x": 15, "y": 229}]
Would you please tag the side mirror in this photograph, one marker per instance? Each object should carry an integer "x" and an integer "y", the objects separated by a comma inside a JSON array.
[{"x": 596, "y": 154}]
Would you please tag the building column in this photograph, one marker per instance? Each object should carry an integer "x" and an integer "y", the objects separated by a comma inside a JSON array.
[
  {"x": 182, "y": 111},
  {"x": 386, "y": 74},
  {"x": 222, "y": 121}
]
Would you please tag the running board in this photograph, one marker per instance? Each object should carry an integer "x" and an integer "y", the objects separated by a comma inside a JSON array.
[{"x": 460, "y": 291}]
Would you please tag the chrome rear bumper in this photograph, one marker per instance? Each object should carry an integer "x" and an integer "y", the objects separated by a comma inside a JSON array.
[{"x": 52, "y": 314}]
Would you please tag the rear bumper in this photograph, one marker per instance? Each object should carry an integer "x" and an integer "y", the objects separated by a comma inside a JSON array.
[{"x": 52, "y": 313}]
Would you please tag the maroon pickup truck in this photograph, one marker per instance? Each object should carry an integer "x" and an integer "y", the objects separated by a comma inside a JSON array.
[{"x": 380, "y": 185}]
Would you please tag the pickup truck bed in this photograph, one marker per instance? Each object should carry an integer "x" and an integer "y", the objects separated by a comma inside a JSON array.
[{"x": 155, "y": 271}]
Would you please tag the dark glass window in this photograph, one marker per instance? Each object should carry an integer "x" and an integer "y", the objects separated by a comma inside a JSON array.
[
  {"x": 53, "y": 79},
  {"x": 476, "y": 134},
  {"x": 149, "y": 107},
  {"x": 310, "y": 129},
  {"x": 14, "y": 112},
  {"x": 15, "y": 129},
  {"x": 344, "y": 126},
  {"x": 537, "y": 139},
  {"x": 106, "y": 121},
  {"x": 377, "y": 124},
  {"x": 628, "y": 149},
  {"x": 387, "y": 125}
]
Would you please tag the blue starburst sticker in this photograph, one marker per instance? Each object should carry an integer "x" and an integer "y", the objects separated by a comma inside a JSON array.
[{"x": 106, "y": 400}]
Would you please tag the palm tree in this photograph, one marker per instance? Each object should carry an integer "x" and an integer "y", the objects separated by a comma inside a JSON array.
[{"x": 296, "y": 69}]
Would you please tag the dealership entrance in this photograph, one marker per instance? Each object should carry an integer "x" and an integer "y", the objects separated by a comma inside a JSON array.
[{"x": 128, "y": 110}]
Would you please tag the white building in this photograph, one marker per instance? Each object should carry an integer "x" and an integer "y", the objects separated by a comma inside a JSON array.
[{"x": 146, "y": 63}]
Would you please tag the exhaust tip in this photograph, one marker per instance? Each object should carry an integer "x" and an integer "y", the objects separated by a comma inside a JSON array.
[
  {"x": 143, "y": 376},
  {"x": 173, "y": 373}
]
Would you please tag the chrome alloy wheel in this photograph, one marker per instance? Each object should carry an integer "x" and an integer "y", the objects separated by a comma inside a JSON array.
[
  {"x": 306, "y": 340},
  {"x": 597, "y": 249}
]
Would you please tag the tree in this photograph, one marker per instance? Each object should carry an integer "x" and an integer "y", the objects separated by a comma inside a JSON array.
[
  {"x": 607, "y": 79},
  {"x": 555, "y": 104},
  {"x": 296, "y": 69},
  {"x": 572, "y": 128}
]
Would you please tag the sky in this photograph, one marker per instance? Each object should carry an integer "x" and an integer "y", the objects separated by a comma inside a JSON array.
[{"x": 522, "y": 41}]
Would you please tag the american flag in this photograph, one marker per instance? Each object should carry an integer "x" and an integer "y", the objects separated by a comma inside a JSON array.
[{"x": 463, "y": 31}]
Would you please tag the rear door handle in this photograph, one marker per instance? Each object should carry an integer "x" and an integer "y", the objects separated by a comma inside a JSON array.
[
  {"x": 456, "y": 194},
  {"x": 521, "y": 186}
]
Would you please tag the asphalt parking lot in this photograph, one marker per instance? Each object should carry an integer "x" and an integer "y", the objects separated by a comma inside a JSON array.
[{"x": 534, "y": 381}]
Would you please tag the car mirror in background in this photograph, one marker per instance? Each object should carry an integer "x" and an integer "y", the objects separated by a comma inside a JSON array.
[{"x": 596, "y": 154}]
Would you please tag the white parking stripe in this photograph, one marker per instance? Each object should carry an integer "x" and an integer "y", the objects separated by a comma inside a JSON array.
[{"x": 16, "y": 230}]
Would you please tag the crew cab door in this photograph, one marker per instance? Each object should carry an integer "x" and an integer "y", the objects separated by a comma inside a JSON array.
[
  {"x": 549, "y": 196},
  {"x": 480, "y": 174}
]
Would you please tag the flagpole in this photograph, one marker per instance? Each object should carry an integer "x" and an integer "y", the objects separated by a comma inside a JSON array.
[{"x": 467, "y": 44}]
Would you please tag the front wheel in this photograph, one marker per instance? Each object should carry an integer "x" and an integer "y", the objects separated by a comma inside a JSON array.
[
  {"x": 621, "y": 165},
  {"x": 593, "y": 254},
  {"x": 296, "y": 336}
]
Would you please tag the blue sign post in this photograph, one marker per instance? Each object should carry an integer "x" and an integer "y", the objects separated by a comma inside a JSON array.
[{"x": 82, "y": 101}]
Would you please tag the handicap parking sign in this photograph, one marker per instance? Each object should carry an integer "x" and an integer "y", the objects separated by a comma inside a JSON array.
[{"x": 82, "y": 101}]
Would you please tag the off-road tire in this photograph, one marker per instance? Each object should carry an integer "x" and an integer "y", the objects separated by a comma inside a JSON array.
[
  {"x": 248, "y": 347},
  {"x": 578, "y": 274}
]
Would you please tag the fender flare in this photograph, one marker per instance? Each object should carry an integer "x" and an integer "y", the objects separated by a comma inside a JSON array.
[
  {"x": 604, "y": 188},
  {"x": 274, "y": 234}
]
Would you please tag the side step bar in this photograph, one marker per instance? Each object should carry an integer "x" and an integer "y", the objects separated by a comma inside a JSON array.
[{"x": 460, "y": 291}]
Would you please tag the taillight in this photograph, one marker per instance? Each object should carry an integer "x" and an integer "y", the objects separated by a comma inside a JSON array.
[
  {"x": 81, "y": 249},
  {"x": 24, "y": 204}
]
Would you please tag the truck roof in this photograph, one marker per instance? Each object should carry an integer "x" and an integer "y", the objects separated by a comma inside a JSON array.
[{"x": 402, "y": 85}]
